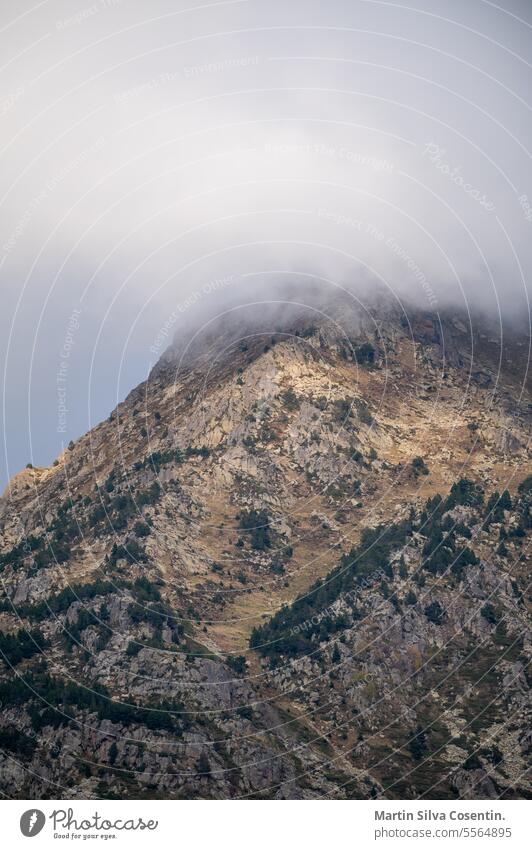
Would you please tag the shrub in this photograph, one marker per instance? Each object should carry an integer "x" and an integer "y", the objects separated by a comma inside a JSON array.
[
  {"x": 496, "y": 506},
  {"x": 203, "y": 766},
  {"x": 434, "y": 612},
  {"x": 130, "y": 552},
  {"x": 466, "y": 493},
  {"x": 237, "y": 663},
  {"x": 21, "y": 645},
  {"x": 245, "y": 712},
  {"x": 490, "y": 614},
  {"x": 258, "y": 525},
  {"x": 198, "y": 452},
  {"x": 341, "y": 410},
  {"x": 365, "y": 353},
  {"x": 419, "y": 466},
  {"x": 363, "y": 412},
  {"x": 146, "y": 590},
  {"x": 290, "y": 399},
  {"x": 525, "y": 487},
  {"x": 17, "y": 742},
  {"x": 113, "y": 753},
  {"x": 465, "y": 558},
  {"x": 157, "y": 459},
  {"x": 418, "y": 744},
  {"x": 61, "y": 602},
  {"x": 65, "y": 698},
  {"x": 149, "y": 496},
  {"x": 472, "y": 762}
]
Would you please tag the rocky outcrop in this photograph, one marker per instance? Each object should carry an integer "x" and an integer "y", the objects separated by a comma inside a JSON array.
[{"x": 223, "y": 488}]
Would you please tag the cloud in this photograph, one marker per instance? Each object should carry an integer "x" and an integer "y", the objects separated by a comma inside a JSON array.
[{"x": 149, "y": 153}]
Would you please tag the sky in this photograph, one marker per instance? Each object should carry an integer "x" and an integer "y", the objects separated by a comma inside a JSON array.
[{"x": 157, "y": 154}]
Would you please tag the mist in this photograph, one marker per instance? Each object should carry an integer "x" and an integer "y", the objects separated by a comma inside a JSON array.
[{"x": 162, "y": 163}]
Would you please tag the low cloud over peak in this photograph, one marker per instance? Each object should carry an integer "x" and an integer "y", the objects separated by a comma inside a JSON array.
[{"x": 159, "y": 162}]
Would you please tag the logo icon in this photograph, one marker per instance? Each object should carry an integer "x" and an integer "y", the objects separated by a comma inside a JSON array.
[{"x": 32, "y": 822}]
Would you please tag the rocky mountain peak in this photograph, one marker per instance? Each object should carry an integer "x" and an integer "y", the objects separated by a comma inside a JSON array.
[{"x": 273, "y": 552}]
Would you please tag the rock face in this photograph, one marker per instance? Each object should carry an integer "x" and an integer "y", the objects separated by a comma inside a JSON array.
[{"x": 292, "y": 564}]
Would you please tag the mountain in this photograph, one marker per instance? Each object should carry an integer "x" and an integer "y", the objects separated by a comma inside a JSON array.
[{"x": 291, "y": 564}]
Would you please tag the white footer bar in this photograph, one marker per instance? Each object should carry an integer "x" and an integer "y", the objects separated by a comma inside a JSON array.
[{"x": 263, "y": 825}]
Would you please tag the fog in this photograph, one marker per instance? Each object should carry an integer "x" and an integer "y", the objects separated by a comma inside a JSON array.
[{"x": 161, "y": 159}]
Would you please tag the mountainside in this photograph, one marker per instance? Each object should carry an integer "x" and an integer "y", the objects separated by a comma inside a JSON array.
[{"x": 292, "y": 564}]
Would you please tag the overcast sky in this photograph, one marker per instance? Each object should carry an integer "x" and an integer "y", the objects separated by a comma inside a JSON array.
[{"x": 155, "y": 152}]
